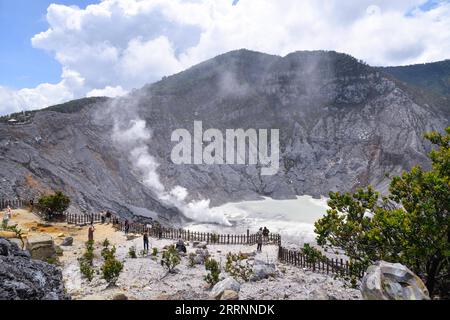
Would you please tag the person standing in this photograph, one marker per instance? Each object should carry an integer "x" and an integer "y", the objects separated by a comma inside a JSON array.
[
  {"x": 103, "y": 217},
  {"x": 266, "y": 235},
  {"x": 259, "y": 240},
  {"x": 127, "y": 227},
  {"x": 145, "y": 238},
  {"x": 91, "y": 233}
]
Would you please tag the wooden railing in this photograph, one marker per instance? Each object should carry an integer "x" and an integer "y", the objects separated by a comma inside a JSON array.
[
  {"x": 326, "y": 265},
  {"x": 13, "y": 204},
  {"x": 82, "y": 219},
  {"x": 187, "y": 235}
]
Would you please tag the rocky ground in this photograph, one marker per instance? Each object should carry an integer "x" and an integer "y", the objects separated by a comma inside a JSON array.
[{"x": 145, "y": 278}]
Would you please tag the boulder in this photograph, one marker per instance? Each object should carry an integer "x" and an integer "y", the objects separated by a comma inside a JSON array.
[
  {"x": 263, "y": 270},
  {"x": 24, "y": 279},
  {"x": 119, "y": 296},
  {"x": 67, "y": 242},
  {"x": 41, "y": 246},
  {"x": 229, "y": 295},
  {"x": 226, "y": 284},
  {"x": 201, "y": 245},
  {"x": 392, "y": 281}
]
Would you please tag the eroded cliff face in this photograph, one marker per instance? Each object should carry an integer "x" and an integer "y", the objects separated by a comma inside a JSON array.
[{"x": 342, "y": 125}]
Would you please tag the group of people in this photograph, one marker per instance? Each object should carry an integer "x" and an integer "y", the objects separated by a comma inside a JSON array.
[
  {"x": 106, "y": 216},
  {"x": 262, "y": 236},
  {"x": 7, "y": 215}
]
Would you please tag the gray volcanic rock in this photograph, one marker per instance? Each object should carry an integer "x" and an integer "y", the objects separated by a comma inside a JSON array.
[
  {"x": 24, "y": 279},
  {"x": 342, "y": 125}
]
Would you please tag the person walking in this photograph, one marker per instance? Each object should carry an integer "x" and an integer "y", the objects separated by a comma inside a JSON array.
[
  {"x": 103, "y": 217},
  {"x": 108, "y": 216},
  {"x": 91, "y": 233},
  {"x": 145, "y": 238},
  {"x": 259, "y": 240}
]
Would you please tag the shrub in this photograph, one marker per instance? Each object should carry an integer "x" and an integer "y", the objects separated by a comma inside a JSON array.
[
  {"x": 170, "y": 258},
  {"x": 54, "y": 204},
  {"x": 86, "y": 269},
  {"x": 191, "y": 260},
  {"x": 111, "y": 267},
  {"x": 410, "y": 225},
  {"x": 132, "y": 252},
  {"x": 212, "y": 277},
  {"x": 154, "y": 252},
  {"x": 89, "y": 253},
  {"x": 312, "y": 255},
  {"x": 238, "y": 267}
]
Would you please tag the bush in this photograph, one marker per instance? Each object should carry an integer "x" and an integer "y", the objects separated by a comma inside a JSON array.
[
  {"x": 86, "y": 261},
  {"x": 238, "y": 267},
  {"x": 54, "y": 204},
  {"x": 132, "y": 252},
  {"x": 191, "y": 260},
  {"x": 86, "y": 269},
  {"x": 411, "y": 225},
  {"x": 154, "y": 252},
  {"x": 213, "y": 267},
  {"x": 111, "y": 267},
  {"x": 312, "y": 255},
  {"x": 170, "y": 258}
]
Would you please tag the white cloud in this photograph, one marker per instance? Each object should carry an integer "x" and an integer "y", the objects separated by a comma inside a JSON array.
[
  {"x": 117, "y": 45},
  {"x": 107, "y": 92}
]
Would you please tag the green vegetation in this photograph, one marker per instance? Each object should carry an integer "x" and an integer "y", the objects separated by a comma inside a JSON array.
[
  {"x": 86, "y": 261},
  {"x": 238, "y": 267},
  {"x": 191, "y": 258},
  {"x": 154, "y": 252},
  {"x": 312, "y": 255},
  {"x": 15, "y": 229},
  {"x": 111, "y": 267},
  {"x": 170, "y": 258},
  {"x": 212, "y": 277},
  {"x": 54, "y": 204},
  {"x": 410, "y": 226},
  {"x": 132, "y": 252}
]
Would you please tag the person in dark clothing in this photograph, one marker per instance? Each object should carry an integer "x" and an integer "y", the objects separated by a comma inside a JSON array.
[
  {"x": 127, "y": 227},
  {"x": 108, "y": 216},
  {"x": 103, "y": 217},
  {"x": 180, "y": 246},
  {"x": 145, "y": 238},
  {"x": 266, "y": 235}
]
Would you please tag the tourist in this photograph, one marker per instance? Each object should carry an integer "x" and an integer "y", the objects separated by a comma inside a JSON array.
[
  {"x": 5, "y": 218},
  {"x": 145, "y": 241},
  {"x": 266, "y": 235},
  {"x": 9, "y": 212},
  {"x": 259, "y": 240},
  {"x": 180, "y": 246},
  {"x": 103, "y": 217},
  {"x": 91, "y": 233},
  {"x": 108, "y": 216},
  {"x": 127, "y": 227}
]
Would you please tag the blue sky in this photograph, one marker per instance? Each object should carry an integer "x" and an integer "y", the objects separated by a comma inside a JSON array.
[
  {"x": 118, "y": 46},
  {"x": 21, "y": 65}
]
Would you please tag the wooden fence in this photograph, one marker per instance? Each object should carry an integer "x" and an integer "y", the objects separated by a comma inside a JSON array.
[
  {"x": 13, "y": 204},
  {"x": 327, "y": 265},
  {"x": 82, "y": 219},
  {"x": 187, "y": 235}
]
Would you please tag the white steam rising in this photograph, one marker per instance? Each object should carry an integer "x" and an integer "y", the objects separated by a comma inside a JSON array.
[{"x": 133, "y": 136}]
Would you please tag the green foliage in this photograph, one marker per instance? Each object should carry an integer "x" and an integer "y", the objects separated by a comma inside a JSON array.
[
  {"x": 214, "y": 238},
  {"x": 15, "y": 229},
  {"x": 154, "y": 252},
  {"x": 191, "y": 260},
  {"x": 86, "y": 269},
  {"x": 54, "y": 204},
  {"x": 410, "y": 226},
  {"x": 111, "y": 267},
  {"x": 312, "y": 255},
  {"x": 170, "y": 258},
  {"x": 132, "y": 252},
  {"x": 238, "y": 267},
  {"x": 212, "y": 277},
  {"x": 86, "y": 261},
  {"x": 89, "y": 252}
]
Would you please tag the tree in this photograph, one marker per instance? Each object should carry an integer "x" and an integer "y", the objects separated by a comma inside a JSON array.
[
  {"x": 410, "y": 225},
  {"x": 54, "y": 204}
]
